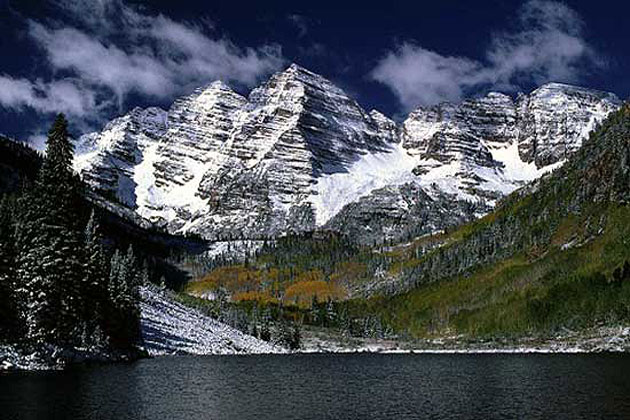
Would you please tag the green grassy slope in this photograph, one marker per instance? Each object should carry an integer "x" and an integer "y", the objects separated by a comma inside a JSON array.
[
  {"x": 578, "y": 287},
  {"x": 556, "y": 255}
]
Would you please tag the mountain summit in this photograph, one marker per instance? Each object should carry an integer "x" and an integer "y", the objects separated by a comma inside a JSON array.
[{"x": 299, "y": 154}]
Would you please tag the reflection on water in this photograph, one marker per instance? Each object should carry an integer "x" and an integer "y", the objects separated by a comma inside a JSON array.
[{"x": 328, "y": 386}]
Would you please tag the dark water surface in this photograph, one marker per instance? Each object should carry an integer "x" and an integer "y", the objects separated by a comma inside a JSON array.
[{"x": 328, "y": 387}]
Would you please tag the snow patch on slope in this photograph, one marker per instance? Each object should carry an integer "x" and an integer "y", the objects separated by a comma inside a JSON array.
[
  {"x": 395, "y": 167},
  {"x": 369, "y": 173},
  {"x": 165, "y": 203},
  {"x": 444, "y": 178},
  {"x": 515, "y": 168},
  {"x": 514, "y": 173},
  {"x": 510, "y": 174},
  {"x": 144, "y": 177},
  {"x": 169, "y": 327},
  {"x": 85, "y": 153}
]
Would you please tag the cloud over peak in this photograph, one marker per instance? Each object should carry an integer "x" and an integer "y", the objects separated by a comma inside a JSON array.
[
  {"x": 107, "y": 49},
  {"x": 547, "y": 43}
]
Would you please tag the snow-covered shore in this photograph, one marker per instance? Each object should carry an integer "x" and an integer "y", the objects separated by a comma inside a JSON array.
[
  {"x": 51, "y": 357},
  {"x": 167, "y": 328},
  {"x": 596, "y": 340},
  {"x": 171, "y": 328}
]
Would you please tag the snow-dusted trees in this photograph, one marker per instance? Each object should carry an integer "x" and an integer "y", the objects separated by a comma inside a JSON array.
[
  {"x": 94, "y": 286},
  {"x": 57, "y": 284},
  {"x": 8, "y": 308},
  {"x": 123, "y": 288},
  {"x": 289, "y": 335},
  {"x": 49, "y": 245}
]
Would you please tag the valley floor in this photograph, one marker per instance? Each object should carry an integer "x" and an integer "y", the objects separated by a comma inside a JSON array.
[{"x": 168, "y": 327}]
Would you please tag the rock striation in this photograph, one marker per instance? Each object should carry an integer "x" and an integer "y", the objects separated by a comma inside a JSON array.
[{"x": 298, "y": 154}]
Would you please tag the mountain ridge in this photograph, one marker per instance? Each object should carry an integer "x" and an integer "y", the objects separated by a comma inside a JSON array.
[{"x": 299, "y": 154}]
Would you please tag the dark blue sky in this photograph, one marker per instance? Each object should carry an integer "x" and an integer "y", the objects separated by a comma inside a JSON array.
[{"x": 96, "y": 59}]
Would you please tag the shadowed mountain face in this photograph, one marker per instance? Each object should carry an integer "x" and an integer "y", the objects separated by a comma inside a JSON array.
[
  {"x": 18, "y": 165},
  {"x": 299, "y": 154}
]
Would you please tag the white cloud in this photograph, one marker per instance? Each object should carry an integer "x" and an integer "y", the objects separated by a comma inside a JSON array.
[
  {"x": 105, "y": 49},
  {"x": 102, "y": 65},
  {"x": 419, "y": 76},
  {"x": 126, "y": 50},
  {"x": 58, "y": 96},
  {"x": 547, "y": 44},
  {"x": 192, "y": 56},
  {"x": 550, "y": 46}
]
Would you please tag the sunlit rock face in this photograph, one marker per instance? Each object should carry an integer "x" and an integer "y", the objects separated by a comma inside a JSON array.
[
  {"x": 298, "y": 154},
  {"x": 109, "y": 160},
  {"x": 554, "y": 119},
  {"x": 229, "y": 166}
]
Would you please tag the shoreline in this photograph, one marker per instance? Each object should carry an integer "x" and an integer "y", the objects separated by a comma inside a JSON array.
[
  {"x": 52, "y": 358},
  {"x": 612, "y": 339},
  {"x": 596, "y": 340},
  {"x": 27, "y": 364}
]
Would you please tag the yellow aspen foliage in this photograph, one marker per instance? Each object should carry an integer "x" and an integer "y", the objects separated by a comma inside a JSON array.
[{"x": 302, "y": 293}]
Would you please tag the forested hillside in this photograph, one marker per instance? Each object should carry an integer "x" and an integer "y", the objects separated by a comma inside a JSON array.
[
  {"x": 555, "y": 254},
  {"x": 19, "y": 164}
]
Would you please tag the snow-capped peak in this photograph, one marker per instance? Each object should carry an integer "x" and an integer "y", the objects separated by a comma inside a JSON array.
[{"x": 298, "y": 151}]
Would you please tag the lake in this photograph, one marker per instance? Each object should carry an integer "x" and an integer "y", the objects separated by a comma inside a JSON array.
[{"x": 335, "y": 386}]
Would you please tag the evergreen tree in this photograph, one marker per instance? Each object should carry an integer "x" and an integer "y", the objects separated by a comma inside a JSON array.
[
  {"x": 116, "y": 272},
  {"x": 36, "y": 302},
  {"x": 135, "y": 277},
  {"x": 265, "y": 330},
  {"x": 289, "y": 336},
  {"x": 95, "y": 277},
  {"x": 57, "y": 284},
  {"x": 296, "y": 337},
  {"x": 49, "y": 269},
  {"x": 123, "y": 311}
]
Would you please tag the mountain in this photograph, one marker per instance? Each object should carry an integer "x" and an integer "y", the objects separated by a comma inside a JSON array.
[
  {"x": 298, "y": 154},
  {"x": 550, "y": 264},
  {"x": 552, "y": 256},
  {"x": 457, "y": 161}
]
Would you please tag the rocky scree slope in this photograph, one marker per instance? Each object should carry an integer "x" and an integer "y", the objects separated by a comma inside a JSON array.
[
  {"x": 299, "y": 154},
  {"x": 168, "y": 327}
]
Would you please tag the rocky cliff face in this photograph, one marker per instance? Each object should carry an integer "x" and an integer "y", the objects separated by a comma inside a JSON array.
[
  {"x": 110, "y": 160},
  {"x": 298, "y": 154},
  {"x": 227, "y": 166},
  {"x": 467, "y": 156},
  {"x": 554, "y": 119}
]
